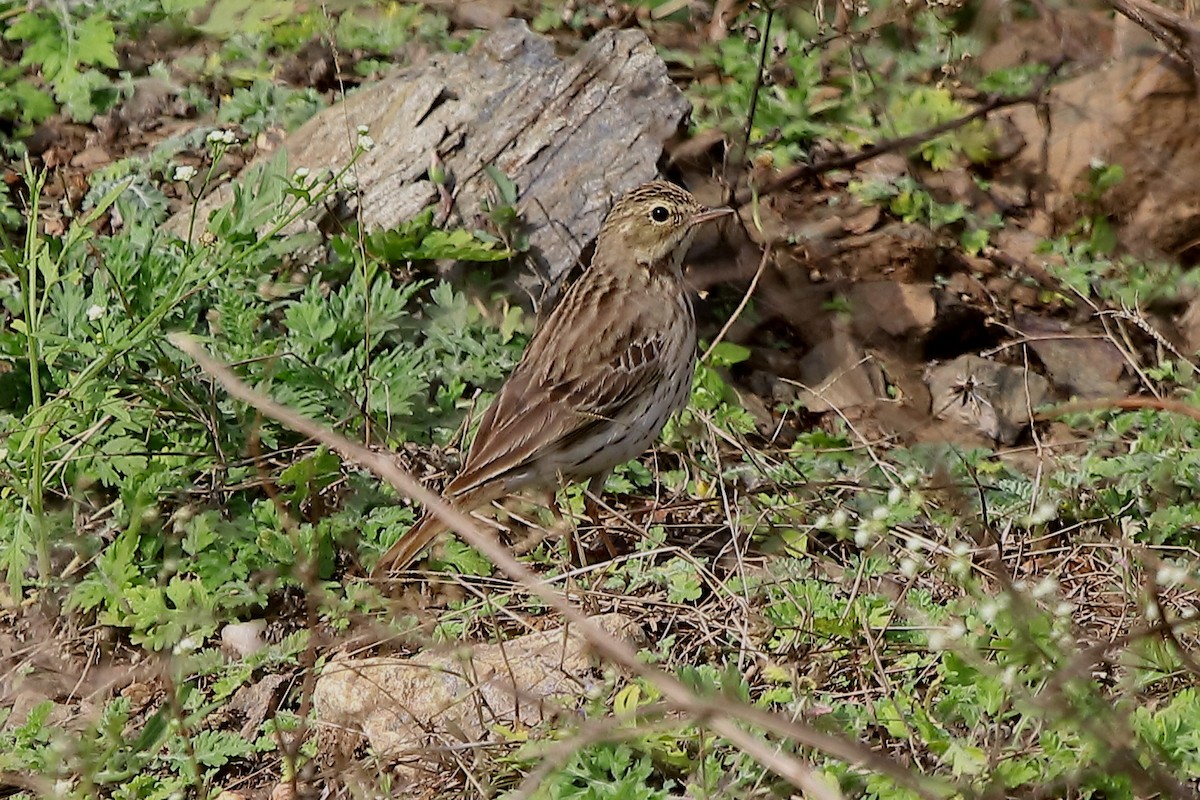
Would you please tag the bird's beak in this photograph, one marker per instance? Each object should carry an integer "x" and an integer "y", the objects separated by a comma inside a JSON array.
[{"x": 708, "y": 215}]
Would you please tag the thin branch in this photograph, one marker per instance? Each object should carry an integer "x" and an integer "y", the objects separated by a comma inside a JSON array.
[
  {"x": 805, "y": 171},
  {"x": 724, "y": 716},
  {"x": 737, "y": 312}
]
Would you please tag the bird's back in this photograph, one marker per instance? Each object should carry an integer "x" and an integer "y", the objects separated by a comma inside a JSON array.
[{"x": 595, "y": 386}]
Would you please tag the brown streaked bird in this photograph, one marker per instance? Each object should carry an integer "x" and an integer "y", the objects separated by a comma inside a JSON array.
[{"x": 600, "y": 376}]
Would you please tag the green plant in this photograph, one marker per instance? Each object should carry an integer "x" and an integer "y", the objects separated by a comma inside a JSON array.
[
  {"x": 910, "y": 201},
  {"x": 66, "y": 47}
]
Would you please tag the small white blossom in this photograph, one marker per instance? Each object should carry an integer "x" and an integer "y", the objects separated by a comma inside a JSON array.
[
  {"x": 1045, "y": 512},
  {"x": 1171, "y": 575},
  {"x": 301, "y": 173},
  {"x": 222, "y": 137},
  {"x": 95, "y": 312},
  {"x": 362, "y": 130},
  {"x": 186, "y": 645},
  {"x": 1009, "y": 677},
  {"x": 879, "y": 513},
  {"x": 839, "y": 518},
  {"x": 348, "y": 182},
  {"x": 909, "y": 568},
  {"x": 1064, "y": 609},
  {"x": 863, "y": 535},
  {"x": 895, "y": 495},
  {"x": 184, "y": 173},
  {"x": 822, "y": 522},
  {"x": 366, "y": 143},
  {"x": 1044, "y": 588}
]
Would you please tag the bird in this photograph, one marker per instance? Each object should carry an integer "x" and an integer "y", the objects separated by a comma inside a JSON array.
[{"x": 602, "y": 373}]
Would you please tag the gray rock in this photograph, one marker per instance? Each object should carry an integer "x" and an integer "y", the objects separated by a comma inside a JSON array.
[{"x": 570, "y": 133}]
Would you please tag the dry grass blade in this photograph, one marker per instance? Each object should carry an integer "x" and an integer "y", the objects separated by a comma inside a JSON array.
[{"x": 720, "y": 714}]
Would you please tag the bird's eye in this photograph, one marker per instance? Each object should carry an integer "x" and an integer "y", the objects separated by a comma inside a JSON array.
[{"x": 660, "y": 213}]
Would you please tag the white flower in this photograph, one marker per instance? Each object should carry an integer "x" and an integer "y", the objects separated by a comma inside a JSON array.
[
  {"x": 186, "y": 645},
  {"x": 1044, "y": 588},
  {"x": 301, "y": 173},
  {"x": 365, "y": 142},
  {"x": 222, "y": 137},
  {"x": 1171, "y": 574},
  {"x": 1045, "y": 512},
  {"x": 184, "y": 173},
  {"x": 95, "y": 312},
  {"x": 895, "y": 495},
  {"x": 362, "y": 130}
]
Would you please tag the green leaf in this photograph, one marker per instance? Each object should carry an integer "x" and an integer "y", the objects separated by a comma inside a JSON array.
[
  {"x": 505, "y": 185},
  {"x": 973, "y": 240},
  {"x": 96, "y": 42},
  {"x": 727, "y": 354},
  {"x": 1104, "y": 237},
  {"x": 683, "y": 582}
]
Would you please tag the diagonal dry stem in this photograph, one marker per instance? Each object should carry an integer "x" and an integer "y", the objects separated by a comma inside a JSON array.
[{"x": 722, "y": 715}]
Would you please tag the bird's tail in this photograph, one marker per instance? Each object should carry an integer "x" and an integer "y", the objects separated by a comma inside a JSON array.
[{"x": 409, "y": 547}]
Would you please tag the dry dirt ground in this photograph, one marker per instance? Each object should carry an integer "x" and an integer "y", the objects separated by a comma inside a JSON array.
[{"x": 867, "y": 319}]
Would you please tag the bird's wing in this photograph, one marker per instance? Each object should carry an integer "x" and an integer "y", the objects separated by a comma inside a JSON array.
[{"x": 580, "y": 371}]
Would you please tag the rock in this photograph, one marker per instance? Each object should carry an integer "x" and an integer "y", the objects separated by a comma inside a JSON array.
[
  {"x": 402, "y": 705},
  {"x": 993, "y": 398},
  {"x": 1138, "y": 112},
  {"x": 897, "y": 309},
  {"x": 836, "y": 374},
  {"x": 244, "y": 638},
  {"x": 569, "y": 133},
  {"x": 1085, "y": 368},
  {"x": 1188, "y": 325}
]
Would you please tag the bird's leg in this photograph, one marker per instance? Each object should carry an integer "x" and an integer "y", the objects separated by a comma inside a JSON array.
[
  {"x": 591, "y": 505},
  {"x": 574, "y": 551}
]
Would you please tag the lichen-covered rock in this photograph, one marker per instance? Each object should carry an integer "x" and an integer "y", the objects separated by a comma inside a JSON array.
[
  {"x": 407, "y": 707},
  {"x": 570, "y": 133}
]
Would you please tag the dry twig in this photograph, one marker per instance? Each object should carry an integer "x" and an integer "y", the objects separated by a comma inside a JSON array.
[{"x": 722, "y": 715}]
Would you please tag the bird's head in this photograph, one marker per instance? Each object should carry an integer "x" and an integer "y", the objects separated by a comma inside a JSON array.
[{"x": 654, "y": 224}]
